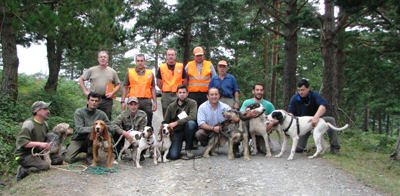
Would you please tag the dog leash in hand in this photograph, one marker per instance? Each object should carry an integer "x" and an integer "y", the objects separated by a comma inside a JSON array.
[{"x": 41, "y": 153}]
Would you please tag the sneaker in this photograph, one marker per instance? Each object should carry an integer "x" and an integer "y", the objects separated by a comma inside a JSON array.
[
  {"x": 19, "y": 174},
  {"x": 335, "y": 152}
]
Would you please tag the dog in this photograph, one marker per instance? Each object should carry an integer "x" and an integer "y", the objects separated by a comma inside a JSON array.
[
  {"x": 101, "y": 139},
  {"x": 297, "y": 126},
  {"x": 136, "y": 135},
  {"x": 163, "y": 142},
  {"x": 60, "y": 133},
  {"x": 146, "y": 142},
  {"x": 258, "y": 126},
  {"x": 216, "y": 140},
  {"x": 235, "y": 129}
]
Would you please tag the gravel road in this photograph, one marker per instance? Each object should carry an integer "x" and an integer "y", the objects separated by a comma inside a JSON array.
[{"x": 205, "y": 176}]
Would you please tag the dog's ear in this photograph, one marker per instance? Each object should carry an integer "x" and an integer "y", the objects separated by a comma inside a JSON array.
[
  {"x": 171, "y": 134},
  {"x": 137, "y": 137},
  {"x": 242, "y": 116},
  {"x": 106, "y": 134},
  {"x": 93, "y": 134},
  {"x": 160, "y": 134},
  {"x": 278, "y": 116}
]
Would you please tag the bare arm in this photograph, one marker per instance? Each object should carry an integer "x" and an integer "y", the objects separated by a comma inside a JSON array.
[
  {"x": 115, "y": 91},
  {"x": 154, "y": 96},
  {"x": 123, "y": 95},
  {"x": 83, "y": 87},
  {"x": 321, "y": 111},
  {"x": 210, "y": 128},
  {"x": 236, "y": 105},
  {"x": 44, "y": 145}
]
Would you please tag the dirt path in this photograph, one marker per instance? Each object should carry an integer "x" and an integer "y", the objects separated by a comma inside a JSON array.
[{"x": 212, "y": 176}]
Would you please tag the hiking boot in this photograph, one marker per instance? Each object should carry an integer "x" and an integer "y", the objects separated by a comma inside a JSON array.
[
  {"x": 236, "y": 152},
  {"x": 19, "y": 174},
  {"x": 335, "y": 151}
]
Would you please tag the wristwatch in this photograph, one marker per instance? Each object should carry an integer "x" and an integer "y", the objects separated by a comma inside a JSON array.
[
  {"x": 122, "y": 101},
  {"x": 237, "y": 101}
]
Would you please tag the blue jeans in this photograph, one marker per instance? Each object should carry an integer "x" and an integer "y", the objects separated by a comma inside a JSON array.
[{"x": 187, "y": 135}]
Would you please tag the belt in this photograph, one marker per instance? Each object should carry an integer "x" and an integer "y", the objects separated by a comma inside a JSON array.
[{"x": 103, "y": 97}]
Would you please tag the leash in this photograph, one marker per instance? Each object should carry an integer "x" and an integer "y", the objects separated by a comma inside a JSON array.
[{"x": 41, "y": 153}]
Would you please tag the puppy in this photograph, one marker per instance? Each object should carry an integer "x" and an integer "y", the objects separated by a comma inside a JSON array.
[
  {"x": 258, "y": 126},
  {"x": 136, "y": 135},
  {"x": 216, "y": 140},
  {"x": 163, "y": 142},
  {"x": 146, "y": 142},
  {"x": 289, "y": 126},
  {"x": 236, "y": 131},
  {"x": 101, "y": 138},
  {"x": 60, "y": 133}
]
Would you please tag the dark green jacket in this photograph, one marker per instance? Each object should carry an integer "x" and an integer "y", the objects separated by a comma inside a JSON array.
[
  {"x": 84, "y": 120},
  {"x": 124, "y": 121},
  {"x": 189, "y": 106}
]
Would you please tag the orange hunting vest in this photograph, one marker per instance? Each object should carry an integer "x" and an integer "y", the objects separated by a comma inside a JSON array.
[
  {"x": 197, "y": 82},
  {"x": 140, "y": 86},
  {"x": 171, "y": 80}
]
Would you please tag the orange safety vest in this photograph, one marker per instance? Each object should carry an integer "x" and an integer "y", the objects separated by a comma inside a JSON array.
[
  {"x": 171, "y": 80},
  {"x": 140, "y": 86},
  {"x": 197, "y": 82}
]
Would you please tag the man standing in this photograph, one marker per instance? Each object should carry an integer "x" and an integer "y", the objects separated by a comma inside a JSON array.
[
  {"x": 200, "y": 72},
  {"x": 84, "y": 120},
  {"x": 181, "y": 116},
  {"x": 209, "y": 115},
  {"x": 227, "y": 86},
  {"x": 33, "y": 134},
  {"x": 169, "y": 76},
  {"x": 310, "y": 103},
  {"x": 131, "y": 119},
  {"x": 141, "y": 85},
  {"x": 99, "y": 76}
]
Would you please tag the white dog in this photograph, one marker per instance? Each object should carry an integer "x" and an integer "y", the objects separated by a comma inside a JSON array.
[
  {"x": 289, "y": 127},
  {"x": 146, "y": 142},
  {"x": 136, "y": 135},
  {"x": 163, "y": 142}
]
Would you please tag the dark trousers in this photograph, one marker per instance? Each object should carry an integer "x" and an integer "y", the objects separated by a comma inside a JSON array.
[
  {"x": 333, "y": 137},
  {"x": 105, "y": 105},
  {"x": 187, "y": 135},
  {"x": 34, "y": 164},
  {"x": 166, "y": 99},
  {"x": 146, "y": 105},
  {"x": 199, "y": 97},
  {"x": 75, "y": 147}
]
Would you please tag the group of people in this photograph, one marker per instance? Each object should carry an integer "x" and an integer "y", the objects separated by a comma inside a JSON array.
[{"x": 193, "y": 99}]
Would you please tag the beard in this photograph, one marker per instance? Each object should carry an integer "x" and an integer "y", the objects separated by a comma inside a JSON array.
[
  {"x": 182, "y": 100},
  {"x": 258, "y": 97}
]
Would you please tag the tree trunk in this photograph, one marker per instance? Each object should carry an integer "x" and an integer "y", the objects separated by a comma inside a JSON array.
[
  {"x": 186, "y": 44},
  {"x": 366, "y": 119},
  {"x": 266, "y": 74},
  {"x": 274, "y": 84},
  {"x": 9, "y": 85},
  {"x": 54, "y": 54},
  {"x": 329, "y": 45},
  {"x": 387, "y": 124},
  {"x": 380, "y": 122},
  {"x": 290, "y": 47},
  {"x": 373, "y": 123},
  {"x": 396, "y": 151}
]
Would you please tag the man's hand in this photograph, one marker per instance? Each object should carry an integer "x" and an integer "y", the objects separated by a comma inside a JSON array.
[
  {"x": 173, "y": 124},
  {"x": 154, "y": 106},
  {"x": 270, "y": 125},
  {"x": 127, "y": 136},
  {"x": 109, "y": 95},
  {"x": 251, "y": 114},
  {"x": 217, "y": 129},
  {"x": 236, "y": 106},
  {"x": 123, "y": 106},
  {"x": 45, "y": 145},
  {"x": 314, "y": 121}
]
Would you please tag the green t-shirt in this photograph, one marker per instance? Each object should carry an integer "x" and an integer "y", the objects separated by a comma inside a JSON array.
[
  {"x": 30, "y": 131},
  {"x": 267, "y": 105}
]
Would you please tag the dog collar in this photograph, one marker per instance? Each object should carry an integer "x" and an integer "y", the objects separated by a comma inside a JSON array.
[{"x": 237, "y": 120}]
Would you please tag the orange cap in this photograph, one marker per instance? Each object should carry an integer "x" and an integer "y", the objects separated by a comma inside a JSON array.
[
  {"x": 198, "y": 50},
  {"x": 222, "y": 63}
]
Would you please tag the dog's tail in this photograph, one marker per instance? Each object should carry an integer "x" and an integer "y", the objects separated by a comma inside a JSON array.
[
  {"x": 120, "y": 137},
  {"x": 336, "y": 128}
]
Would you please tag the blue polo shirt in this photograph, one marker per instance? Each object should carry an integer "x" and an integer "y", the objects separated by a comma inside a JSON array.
[
  {"x": 298, "y": 108},
  {"x": 228, "y": 85}
]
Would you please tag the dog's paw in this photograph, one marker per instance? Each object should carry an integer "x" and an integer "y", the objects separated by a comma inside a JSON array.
[
  {"x": 115, "y": 162},
  {"x": 231, "y": 157},
  {"x": 247, "y": 159},
  {"x": 155, "y": 162},
  {"x": 278, "y": 156},
  {"x": 159, "y": 159},
  {"x": 268, "y": 155},
  {"x": 290, "y": 158},
  {"x": 139, "y": 167},
  {"x": 166, "y": 160},
  {"x": 109, "y": 167},
  {"x": 311, "y": 157},
  {"x": 214, "y": 153},
  {"x": 206, "y": 155},
  {"x": 254, "y": 153}
]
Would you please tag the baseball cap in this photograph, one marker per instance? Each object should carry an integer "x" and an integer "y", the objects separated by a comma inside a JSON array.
[
  {"x": 198, "y": 51},
  {"x": 133, "y": 99},
  {"x": 222, "y": 63},
  {"x": 39, "y": 105}
]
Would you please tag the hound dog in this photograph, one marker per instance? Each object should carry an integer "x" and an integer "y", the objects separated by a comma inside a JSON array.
[
  {"x": 297, "y": 126},
  {"x": 60, "y": 133},
  {"x": 146, "y": 142},
  {"x": 101, "y": 138},
  {"x": 163, "y": 142},
  {"x": 235, "y": 129},
  {"x": 136, "y": 135},
  {"x": 258, "y": 126}
]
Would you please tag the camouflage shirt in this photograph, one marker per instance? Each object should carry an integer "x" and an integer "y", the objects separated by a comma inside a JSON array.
[{"x": 124, "y": 121}]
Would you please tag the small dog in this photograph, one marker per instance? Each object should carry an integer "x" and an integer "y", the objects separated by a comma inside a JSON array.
[
  {"x": 146, "y": 142},
  {"x": 235, "y": 129},
  {"x": 136, "y": 135},
  {"x": 101, "y": 138},
  {"x": 163, "y": 142},
  {"x": 258, "y": 126},
  {"x": 216, "y": 140},
  {"x": 60, "y": 133},
  {"x": 289, "y": 126}
]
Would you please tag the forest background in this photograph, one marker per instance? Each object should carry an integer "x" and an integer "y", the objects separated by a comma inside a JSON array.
[{"x": 350, "y": 54}]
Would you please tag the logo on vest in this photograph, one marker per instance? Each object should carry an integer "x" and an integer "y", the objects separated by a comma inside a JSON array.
[
  {"x": 179, "y": 70},
  {"x": 148, "y": 76}
]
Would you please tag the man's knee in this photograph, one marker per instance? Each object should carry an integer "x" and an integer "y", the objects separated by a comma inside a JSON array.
[{"x": 191, "y": 126}]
